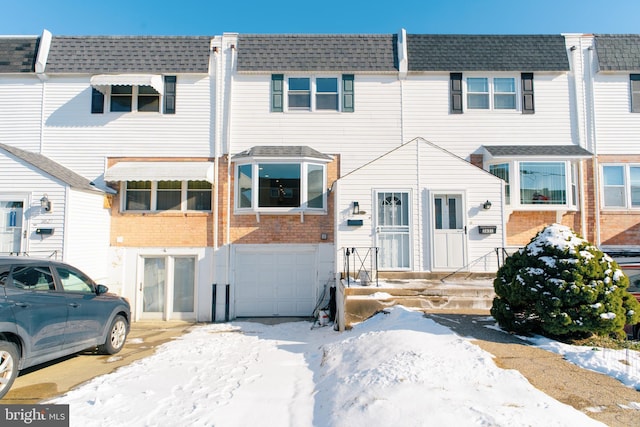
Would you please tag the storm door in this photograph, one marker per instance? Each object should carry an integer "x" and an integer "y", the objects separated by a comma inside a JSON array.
[
  {"x": 393, "y": 230},
  {"x": 450, "y": 232},
  {"x": 11, "y": 219},
  {"x": 167, "y": 287}
]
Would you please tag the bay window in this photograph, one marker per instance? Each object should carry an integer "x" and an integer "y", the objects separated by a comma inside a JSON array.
[
  {"x": 271, "y": 186},
  {"x": 539, "y": 184}
]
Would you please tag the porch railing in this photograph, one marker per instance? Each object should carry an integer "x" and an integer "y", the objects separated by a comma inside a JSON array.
[{"x": 360, "y": 265}]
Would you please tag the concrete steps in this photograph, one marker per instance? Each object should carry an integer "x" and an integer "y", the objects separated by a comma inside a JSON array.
[{"x": 362, "y": 302}]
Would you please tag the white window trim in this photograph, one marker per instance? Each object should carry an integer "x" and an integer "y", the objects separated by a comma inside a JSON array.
[
  {"x": 571, "y": 181},
  {"x": 255, "y": 182},
  {"x": 627, "y": 187},
  {"x": 154, "y": 200},
  {"x": 492, "y": 109},
  {"x": 134, "y": 102},
  {"x": 313, "y": 93}
]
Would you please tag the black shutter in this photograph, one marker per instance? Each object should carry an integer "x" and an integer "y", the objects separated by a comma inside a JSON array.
[
  {"x": 634, "y": 80},
  {"x": 456, "y": 93},
  {"x": 97, "y": 101},
  {"x": 277, "y": 92},
  {"x": 528, "y": 106},
  {"x": 169, "y": 94},
  {"x": 347, "y": 93}
]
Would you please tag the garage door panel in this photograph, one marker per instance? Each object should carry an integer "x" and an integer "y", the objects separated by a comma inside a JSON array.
[{"x": 275, "y": 283}]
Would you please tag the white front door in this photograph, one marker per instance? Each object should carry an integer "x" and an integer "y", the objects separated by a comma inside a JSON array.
[
  {"x": 450, "y": 232},
  {"x": 11, "y": 220},
  {"x": 392, "y": 230},
  {"x": 167, "y": 288}
]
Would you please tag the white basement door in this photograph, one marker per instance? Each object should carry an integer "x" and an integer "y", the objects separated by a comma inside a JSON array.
[{"x": 272, "y": 283}]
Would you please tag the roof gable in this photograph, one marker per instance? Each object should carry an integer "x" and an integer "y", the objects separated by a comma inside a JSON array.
[
  {"x": 345, "y": 53},
  {"x": 619, "y": 52},
  {"x": 52, "y": 168},
  {"x": 18, "y": 54},
  {"x": 487, "y": 53},
  {"x": 128, "y": 54}
]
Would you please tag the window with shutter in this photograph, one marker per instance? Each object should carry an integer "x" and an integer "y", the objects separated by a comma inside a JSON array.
[
  {"x": 456, "y": 93},
  {"x": 97, "y": 101},
  {"x": 347, "y": 93},
  {"x": 528, "y": 106},
  {"x": 169, "y": 94},
  {"x": 635, "y": 92},
  {"x": 277, "y": 81}
]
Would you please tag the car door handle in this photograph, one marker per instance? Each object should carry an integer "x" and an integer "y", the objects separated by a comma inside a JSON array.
[
  {"x": 22, "y": 304},
  {"x": 74, "y": 304}
]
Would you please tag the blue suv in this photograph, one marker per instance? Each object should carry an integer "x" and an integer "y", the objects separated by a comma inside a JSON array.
[{"x": 50, "y": 309}]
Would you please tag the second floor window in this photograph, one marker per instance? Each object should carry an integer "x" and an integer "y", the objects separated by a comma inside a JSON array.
[
  {"x": 167, "y": 196},
  {"x": 299, "y": 93},
  {"x": 123, "y": 98},
  {"x": 485, "y": 93}
]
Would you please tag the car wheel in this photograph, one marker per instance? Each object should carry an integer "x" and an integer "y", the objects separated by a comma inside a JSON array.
[
  {"x": 116, "y": 336},
  {"x": 8, "y": 366}
]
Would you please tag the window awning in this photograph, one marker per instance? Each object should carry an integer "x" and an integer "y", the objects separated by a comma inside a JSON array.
[
  {"x": 160, "y": 171},
  {"x": 103, "y": 81}
]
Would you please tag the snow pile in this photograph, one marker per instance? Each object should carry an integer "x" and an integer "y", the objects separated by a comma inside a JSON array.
[{"x": 398, "y": 368}]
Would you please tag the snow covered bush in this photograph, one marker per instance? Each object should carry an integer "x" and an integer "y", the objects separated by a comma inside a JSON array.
[{"x": 560, "y": 285}]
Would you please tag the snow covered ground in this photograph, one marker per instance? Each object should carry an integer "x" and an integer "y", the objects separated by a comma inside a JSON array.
[{"x": 395, "y": 369}]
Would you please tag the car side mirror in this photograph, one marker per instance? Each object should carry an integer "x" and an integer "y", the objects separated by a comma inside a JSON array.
[{"x": 101, "y": 289}]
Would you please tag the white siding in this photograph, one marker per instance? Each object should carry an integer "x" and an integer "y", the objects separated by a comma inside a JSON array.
[
  {"x": 618, "y": 129},
  {"x": 20, "y": 108},
  {"x": 87, "y": 239},
  {"x": 422, "y": 170},
  {"x": 17, "y": 177},
  {"x": 80, "y": 140},
  {"x": 426, "y": 115},
  {"x": 361, "y": 136}
]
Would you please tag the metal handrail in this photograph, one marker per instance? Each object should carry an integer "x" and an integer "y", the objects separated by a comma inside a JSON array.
[
  {"x": 360, "y": 257},
  {"x": 35, "y": 254}
]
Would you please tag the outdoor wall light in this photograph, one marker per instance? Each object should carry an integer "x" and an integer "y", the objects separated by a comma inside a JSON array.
[
  {"x": 45, "y": 203},
  {"x": 486, "y": 205},
  {"x": 356, "y": 208}
]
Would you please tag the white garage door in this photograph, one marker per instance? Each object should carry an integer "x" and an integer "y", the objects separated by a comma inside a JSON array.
[{"x": 275, "y": 283}]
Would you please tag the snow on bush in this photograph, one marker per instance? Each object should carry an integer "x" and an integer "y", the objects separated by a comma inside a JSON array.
[{"x": 561, "y": 285}]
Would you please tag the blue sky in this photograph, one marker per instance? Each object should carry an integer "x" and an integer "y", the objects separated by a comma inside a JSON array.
[{"x": 195, "y": 17}]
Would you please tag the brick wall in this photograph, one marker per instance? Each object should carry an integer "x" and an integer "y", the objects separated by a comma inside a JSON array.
[{"x": 248, "y": 229}]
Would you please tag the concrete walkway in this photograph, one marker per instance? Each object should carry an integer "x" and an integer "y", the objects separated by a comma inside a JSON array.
[{"x": 599, "y": 396}]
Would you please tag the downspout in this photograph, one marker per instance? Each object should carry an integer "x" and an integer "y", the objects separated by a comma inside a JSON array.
[
  {"x": 231, "y": 69},
  {"x": 591, "y": 128},
  {"x": 215, "y": 65},
  {"x": 403, "y": 68},
  {"x": 42, "y": 55},
  {"x": 581, "y": 173}
]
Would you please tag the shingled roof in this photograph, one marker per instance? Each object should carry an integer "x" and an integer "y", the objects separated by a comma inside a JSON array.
[
  {"x": 537, "y": 150},
  {"x": 128, "y": 54},
  {"x": 52, "y": 168},
  {"x": 281, "y": 151},
  {"x": 618, "y": 52},
  {"x": 18, "y": 54},
  {"x": 486, "y": 53},
  {"x": 344, "y": 53}
]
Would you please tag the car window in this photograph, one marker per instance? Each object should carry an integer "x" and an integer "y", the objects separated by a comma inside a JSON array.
[
  {"x": 4, "y": 273},
  {"x": 36, "y": 278},
  {"x": 73, "y": 281}
]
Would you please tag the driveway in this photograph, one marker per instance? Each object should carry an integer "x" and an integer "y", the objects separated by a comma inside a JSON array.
[
  {"x": 597, "y": 395},
  {"x": 55, "y": 378}
]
